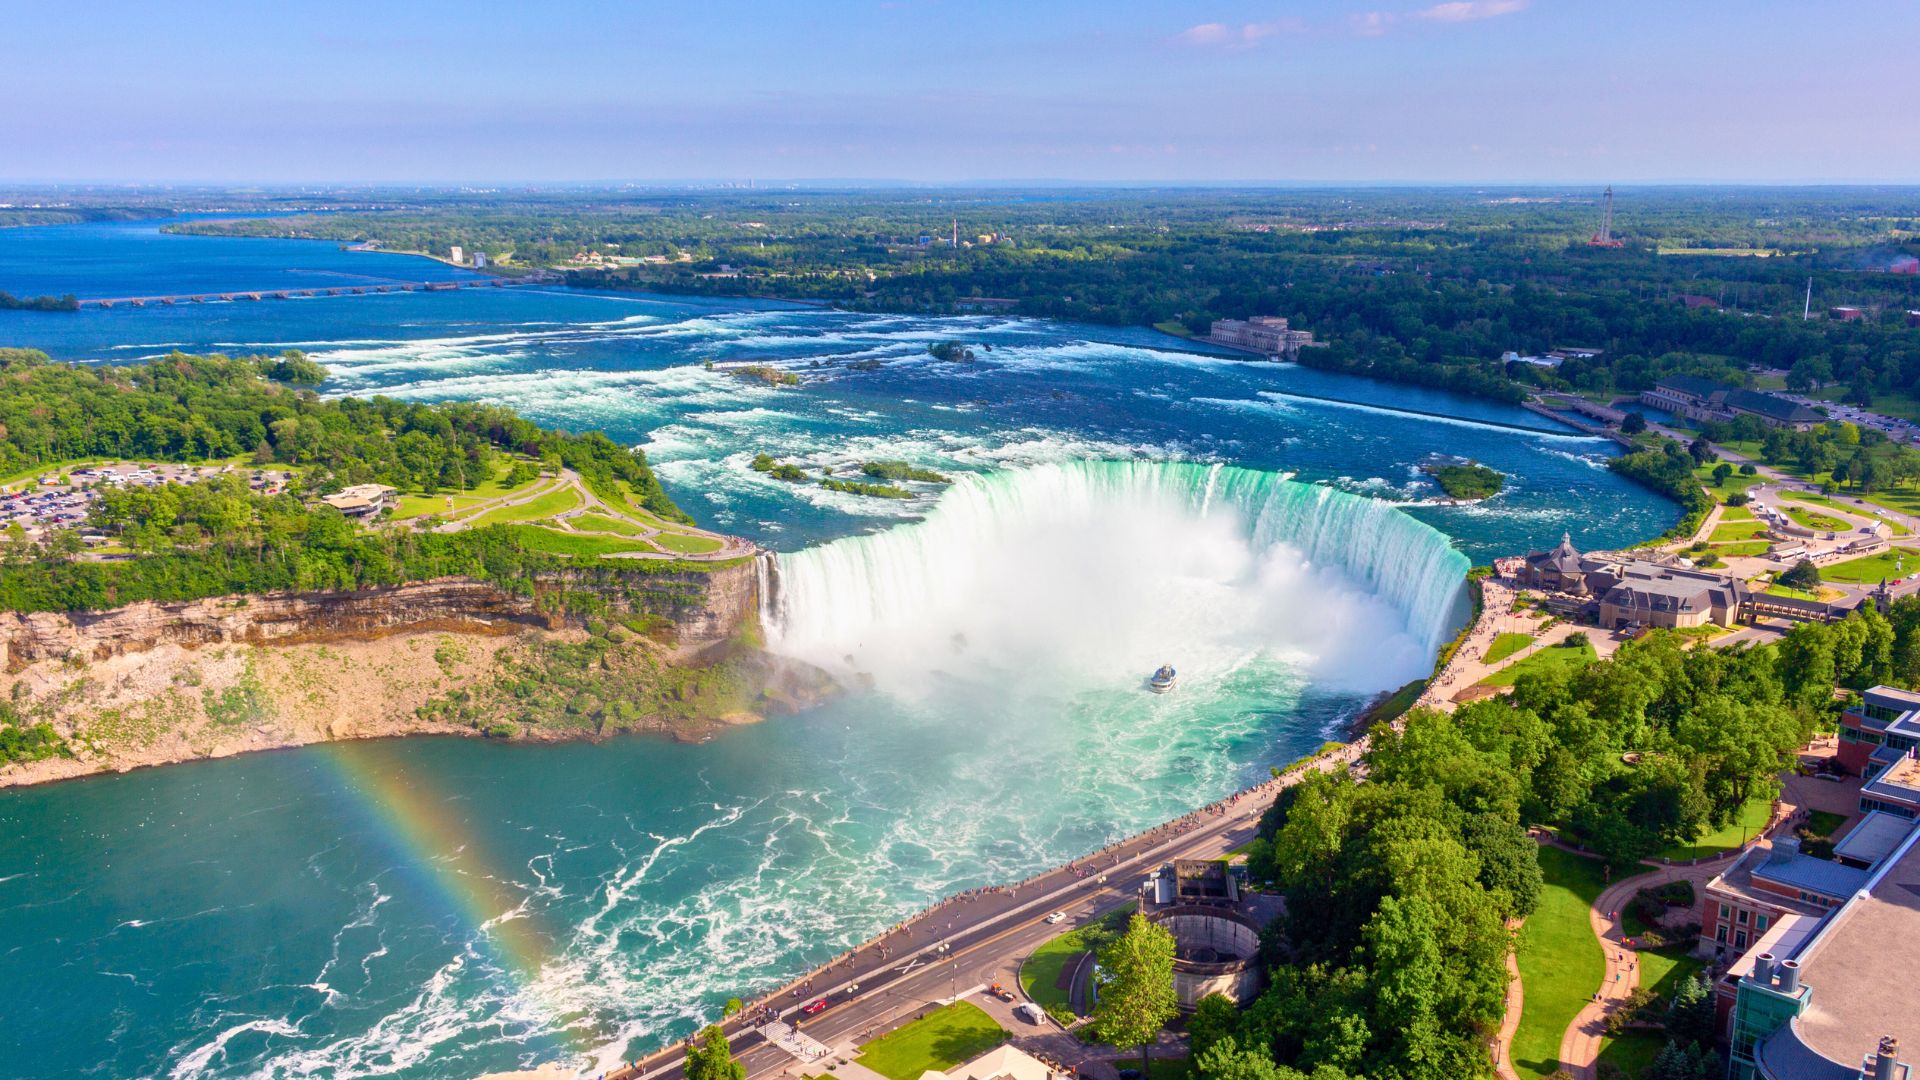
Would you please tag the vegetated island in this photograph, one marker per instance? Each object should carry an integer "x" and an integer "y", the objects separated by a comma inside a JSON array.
[
  {"x": 765, "y": 373},
  {"x": 200, "y": 556},
  {"x": 878, "y": 470},
  {"x": 10, "y": 302},
  {"x": 1468, "y": 481}
]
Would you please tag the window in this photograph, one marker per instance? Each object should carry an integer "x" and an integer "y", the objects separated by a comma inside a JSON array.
[
  {"x": 1740, "y": 939},
  {"x": 1720, "y": 935},
  {"x": 1759, "y": 924},
  {"x": 1725, "y": 911},
  {"x": 1742, "y": 918}
]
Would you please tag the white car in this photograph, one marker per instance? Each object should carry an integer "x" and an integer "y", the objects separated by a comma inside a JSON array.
[{"x": 1057, "y": 917}]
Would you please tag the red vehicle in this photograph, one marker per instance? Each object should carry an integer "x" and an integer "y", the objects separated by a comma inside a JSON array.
[{"x": 815, "y": 1007}]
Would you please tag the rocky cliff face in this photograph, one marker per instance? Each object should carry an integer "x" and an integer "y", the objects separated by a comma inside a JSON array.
[
  {"x": 705, "y": 608},
  {"x": 148, "y": 684}
]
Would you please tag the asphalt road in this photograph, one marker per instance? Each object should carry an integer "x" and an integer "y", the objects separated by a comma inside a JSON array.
[{"x": 961, "y": 943}]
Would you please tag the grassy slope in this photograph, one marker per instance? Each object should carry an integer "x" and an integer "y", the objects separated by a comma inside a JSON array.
[
  {"x": 1561, "y": 964},
  {"x": 1554, "y": 656},
  {"x": 1506, "y": 645},
  {"x": 553, "y": 502},
  {"x": 940, "y": 1040}
]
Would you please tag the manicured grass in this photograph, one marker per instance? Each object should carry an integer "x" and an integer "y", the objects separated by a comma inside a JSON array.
[
  {"x": 1040, "y": 975},
  {"x": 1747, "y": 547},
  {"x": 1735, "y": 513},
  {"x": 1890, "y": 564},
  {"x": 603, "y": 523},
  {"x": 1558, "y": 656},
  {"x": 413, "y": 506},
  {"x": 1737, "y": 530},
  {"x": 1745, "y": 825},
  {"x": 1561, "y": 964},
  {"x": 686, "y": 543},
  {"x": 939, "y": 1040},
  {"x": 1822, "y": 823},
  {"x": 1633, "y": 1052},
  {"x": 1813, "y": 519},
  {"x": 1174, "y": 327},
  {"x": 536, "y": 538},
  {"x": 1506, "y": 645},
  {"x": 557, "y": 501}
]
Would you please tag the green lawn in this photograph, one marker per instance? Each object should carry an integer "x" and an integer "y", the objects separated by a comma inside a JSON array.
[
  {"x": 1813, "y": 519},
  {"x": 557, "y": 501},
  {"x": 1661, "y": 971},
  {"x": 603, "y": 523},
  {"x": 1735, "y": 513},
  {"x": 939, "y": 1040},
  {"x": 1561, "y": 964},
  {"x": 1738, "y": 530},
  {"x": 1890, "y": 564},
  {"x": 411, "y": 506},
  {"x": 686, "y": 543},
  {"x": 1558, "y": 656},
  {"x": 1174, "y": 327},
  {"x": 1633, "y": 1052},
  {"x": 1040, "y": 975},
  {"x": 536, "y": 538},
  {"x": 1746, "y": 824},
  {"x": 1745, "y": 547},
  {"x": 1506, "y": 645}
]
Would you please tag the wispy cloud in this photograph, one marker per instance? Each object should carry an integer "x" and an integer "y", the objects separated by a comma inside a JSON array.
[
  {"x": 1246, "y": 35},
  {"x": 1373, "y": 23},
  {"x": 1470, "y": 10}
]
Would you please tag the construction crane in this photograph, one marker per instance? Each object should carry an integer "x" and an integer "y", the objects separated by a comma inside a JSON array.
[{"x": 1605, "y": 238}]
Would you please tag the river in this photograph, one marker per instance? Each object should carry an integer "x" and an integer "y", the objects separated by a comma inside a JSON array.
[{"x": 440, "y": 907}]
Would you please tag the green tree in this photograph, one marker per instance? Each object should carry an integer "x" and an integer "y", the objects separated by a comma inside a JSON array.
[
  {"x": 1136, "y": 998},
  {"x": 710, "y": 1058},
  {"x": 1214, "y": 1018},
  {"x": 1802, "y": 575}
]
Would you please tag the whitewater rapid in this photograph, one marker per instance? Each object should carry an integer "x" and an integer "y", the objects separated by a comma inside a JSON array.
[{"x": 1092, "y": 573}]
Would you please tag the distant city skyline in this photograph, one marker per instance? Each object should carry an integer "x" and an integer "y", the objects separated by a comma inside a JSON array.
[{"x": 1217, "y": 91}]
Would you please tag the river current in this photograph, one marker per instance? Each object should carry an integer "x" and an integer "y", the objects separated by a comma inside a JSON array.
[{"x": 446, "y": 907}]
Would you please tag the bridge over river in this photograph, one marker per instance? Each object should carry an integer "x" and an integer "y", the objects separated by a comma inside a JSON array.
[{"x": 371, "y": 288}]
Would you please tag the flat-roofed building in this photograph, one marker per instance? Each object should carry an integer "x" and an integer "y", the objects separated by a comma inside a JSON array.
[
  {"x": 360, "y": 500},
  {"x": 1707, "y": 401},
  {"x": 1887, "y": 717},
  {"x": 1267, "y": 334},
  {"x": 1836, "y": 1002}
]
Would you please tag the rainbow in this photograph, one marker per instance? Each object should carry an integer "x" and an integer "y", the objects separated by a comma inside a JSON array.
[{"x": 426, "y": 830}]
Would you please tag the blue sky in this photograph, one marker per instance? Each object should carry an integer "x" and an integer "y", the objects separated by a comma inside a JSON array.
[{"x": 939, "y": 90}]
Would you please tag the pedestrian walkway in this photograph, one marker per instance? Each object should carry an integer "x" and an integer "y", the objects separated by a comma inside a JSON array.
[{"x": 803, "y": 1047}]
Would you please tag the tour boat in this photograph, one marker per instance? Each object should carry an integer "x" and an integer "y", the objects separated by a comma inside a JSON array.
[{"x": 1162, "y": 680}]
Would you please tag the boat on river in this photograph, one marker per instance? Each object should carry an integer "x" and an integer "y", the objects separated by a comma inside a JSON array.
[{"x": 1162, "y": 680}]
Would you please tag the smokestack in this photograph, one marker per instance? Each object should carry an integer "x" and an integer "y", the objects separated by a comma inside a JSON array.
[
  {"x": 1888, "y": 1059},
  {"x": 1763, "y": 969},
  {"x": 1789, "y": 976}
]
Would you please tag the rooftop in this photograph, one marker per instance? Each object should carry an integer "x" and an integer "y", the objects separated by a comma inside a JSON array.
[
  {"x": 1860, "y": 966},
  {"x": 1785, "y": 865},
  {"x": 1006, "y": 1061},
  {"x": 1900, "y": 780},
  {"x": 1877, "y": 835}
]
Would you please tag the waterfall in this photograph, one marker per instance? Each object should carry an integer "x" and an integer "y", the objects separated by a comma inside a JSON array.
[{"x": 1102, "y": 568}]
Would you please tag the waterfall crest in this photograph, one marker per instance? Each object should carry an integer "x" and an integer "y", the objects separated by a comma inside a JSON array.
[{"x": 1105, "y": 567}]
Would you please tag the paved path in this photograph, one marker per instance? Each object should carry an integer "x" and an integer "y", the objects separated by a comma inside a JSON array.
[
  {"x": 731, "y": 547},
  {"x": 1580, "y": 1046},
  {"x": 1516, "y": 1004}
]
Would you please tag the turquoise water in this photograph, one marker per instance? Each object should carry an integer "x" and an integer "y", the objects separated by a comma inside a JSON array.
[{"x": 301, "y": 914}]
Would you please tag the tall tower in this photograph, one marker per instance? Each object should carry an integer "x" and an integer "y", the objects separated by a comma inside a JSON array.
[
  {"x": 956, "y": 234},
  {"x": 1604, "y": 238}
]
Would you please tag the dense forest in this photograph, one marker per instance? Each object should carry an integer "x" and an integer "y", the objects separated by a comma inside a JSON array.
[
  {"x": 211, "y": 408},
  {"x": 219, "y": 536},
  {"x": 1390, "y": 959},
  {"x": 1431, "y": 286}
]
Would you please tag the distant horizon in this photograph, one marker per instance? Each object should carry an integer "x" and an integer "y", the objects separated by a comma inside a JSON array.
[
  {"x": 1125, "y": 92},
  {"x": 481, "y": 187}
]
